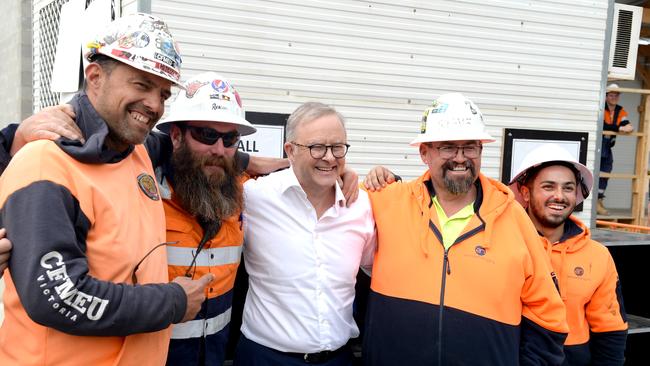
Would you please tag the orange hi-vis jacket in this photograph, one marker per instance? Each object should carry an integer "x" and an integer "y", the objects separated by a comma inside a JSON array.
[
  {"x": 220, "y": 255},
  {"x": 591, "y": 291},
  {"x": 81, "y": 218},
  {"x": 490, "y": 299},
  {"x": 613, "y": 120}
]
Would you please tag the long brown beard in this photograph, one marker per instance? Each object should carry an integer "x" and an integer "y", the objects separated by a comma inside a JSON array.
[{"x": 210, "y": 198}]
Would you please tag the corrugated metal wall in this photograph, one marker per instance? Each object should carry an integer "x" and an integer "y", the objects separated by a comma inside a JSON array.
[{"x": 527, "y": 64}]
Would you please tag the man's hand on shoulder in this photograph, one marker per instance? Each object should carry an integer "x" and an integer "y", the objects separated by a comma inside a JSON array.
[
  {"x": 49, "y": 123},
  {"x": 378, "y": 178},
  {"x": 349, "y": 183}
]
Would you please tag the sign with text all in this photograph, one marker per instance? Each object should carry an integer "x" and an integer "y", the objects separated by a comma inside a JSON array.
[{"x": 267, "y": 141}]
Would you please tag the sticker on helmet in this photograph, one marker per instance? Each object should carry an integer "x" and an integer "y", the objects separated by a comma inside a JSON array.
[
  {"x": 166, "y": 46},
  {"x": 220, "y": 86},
  {"x": 136, "y": 39},
  {"x": 220, "y": 97},
  {"x": 123, "y": 54},
  {"x": 439, "y": 107},
  {"x": 151, "y": 25},
  {"x": 471, "y": 107},
  {"x": 237, "y": 97},
  {"x": 192, "y": 87},
  {"x": 165, "y": 59}
]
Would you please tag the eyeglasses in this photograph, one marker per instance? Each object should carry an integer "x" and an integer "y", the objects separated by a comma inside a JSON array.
[
  {"x": 318, "y": 151},
  {"x": 134, "y": 277},
  {"x": 469, "y": 151},
  {"x": 210, "y": 136}
]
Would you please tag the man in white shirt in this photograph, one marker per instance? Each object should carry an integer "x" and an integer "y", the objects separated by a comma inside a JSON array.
[{"x": 303, "y": 249}]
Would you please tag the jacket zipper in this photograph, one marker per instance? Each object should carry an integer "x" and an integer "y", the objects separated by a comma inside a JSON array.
[{"x": 446, "y": 270}]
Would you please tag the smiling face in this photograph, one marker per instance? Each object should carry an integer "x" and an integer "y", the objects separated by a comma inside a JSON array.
[
  {"x": 316, "y": 175},
  {"x": 206, "y": 179},
  {"x": 454, "y": 174},
  {"x": 215, "y": 155},
  {"x": 131, "y": 101},
  {"x": 551, "y": 196}
]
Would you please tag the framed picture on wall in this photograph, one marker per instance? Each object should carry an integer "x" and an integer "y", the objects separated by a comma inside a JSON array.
[{"x": 519, "y": 142}]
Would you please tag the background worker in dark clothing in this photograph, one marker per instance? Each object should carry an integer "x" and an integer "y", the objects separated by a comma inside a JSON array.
[{"x": 615, "y": 119}]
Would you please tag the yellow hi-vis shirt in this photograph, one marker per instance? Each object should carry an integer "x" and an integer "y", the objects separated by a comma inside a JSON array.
[{"x": 454, "y": 225}]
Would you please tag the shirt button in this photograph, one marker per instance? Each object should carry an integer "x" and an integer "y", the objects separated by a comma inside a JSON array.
[{"x": 212, "y": 256}]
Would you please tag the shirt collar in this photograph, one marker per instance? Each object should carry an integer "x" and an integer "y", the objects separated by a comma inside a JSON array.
[{"x": 290, "y": 181}]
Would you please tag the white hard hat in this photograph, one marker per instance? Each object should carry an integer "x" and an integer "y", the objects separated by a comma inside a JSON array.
[
  {"x": 612, "y": 88},
  {"x": 141, "y": 41},
  {"x": 552, "y": 153},
  {"x": 208, "y": 97},
  {"x": 452, "y": 117}
]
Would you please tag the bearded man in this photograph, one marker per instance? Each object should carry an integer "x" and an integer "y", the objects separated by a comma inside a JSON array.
[{"x": 201, "y": 188}]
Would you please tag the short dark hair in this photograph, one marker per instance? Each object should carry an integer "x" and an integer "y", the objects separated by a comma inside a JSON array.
[
  {"x": 531, "y": 173},
  {"x": 106, "y": 63}
]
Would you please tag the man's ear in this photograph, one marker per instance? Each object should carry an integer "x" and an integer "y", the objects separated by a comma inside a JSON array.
[
  {"x": 423, "y": 148},
  {"x": 288, "y": 149},
  {"x": 525, "y": 194},
  {"x": 94, "y": 76},
  {"x": 175, "y": 134}
]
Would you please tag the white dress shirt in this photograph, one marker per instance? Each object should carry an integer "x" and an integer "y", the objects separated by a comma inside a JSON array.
[{"x": 302, "y": 269}]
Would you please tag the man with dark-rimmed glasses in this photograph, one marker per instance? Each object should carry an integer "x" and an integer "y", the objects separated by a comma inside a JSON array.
[
  {"x": 460, "y": 276},
  {"x": 303, "y": 249}
]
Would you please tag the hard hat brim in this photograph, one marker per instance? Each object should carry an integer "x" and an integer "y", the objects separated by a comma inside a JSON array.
[
  {"x": 484, "y": 137},
  {"x": 243, "y": 126},
  {"x": 585, "y": 173}
]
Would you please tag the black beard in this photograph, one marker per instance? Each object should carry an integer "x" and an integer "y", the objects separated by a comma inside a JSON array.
[
  {"x": 458, "y": 186},
  {"x": 208, "y": 198},
  {"x": 552, "y": 222}
]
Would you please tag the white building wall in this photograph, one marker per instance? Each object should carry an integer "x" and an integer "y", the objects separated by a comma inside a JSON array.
[{"x": 533, "y": 64}]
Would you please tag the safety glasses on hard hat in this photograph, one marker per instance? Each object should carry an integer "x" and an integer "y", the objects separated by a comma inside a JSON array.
[{"x": 210, "y": 136}]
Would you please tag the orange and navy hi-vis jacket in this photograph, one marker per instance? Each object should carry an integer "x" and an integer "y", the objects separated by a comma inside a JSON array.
[
  {"x": 591, "y": 291},
  {"x": 613, "y": 122},
  {"x": 619, "y": 118},
  {"x": 488, "y": 300},
  {"x": 81, "y": 218},
  {"x": 220, "y": 255}
]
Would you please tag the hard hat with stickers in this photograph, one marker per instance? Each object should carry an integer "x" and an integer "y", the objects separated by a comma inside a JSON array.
[
  {"x": 452, "y": 117},
  {"x": 208, "y": 97},
  {"x": 552, "y": 152},
  {"x": 142, "y": 41}
]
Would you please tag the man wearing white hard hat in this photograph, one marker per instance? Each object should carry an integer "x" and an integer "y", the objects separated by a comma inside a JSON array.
[
  {"x": 549, "y": 183},
  {"x": 201, "y": 188},
  {"x": 87, "y": 280},
  {"x": 615, "y": 120},
  {"x": 460, "y": 276}
]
